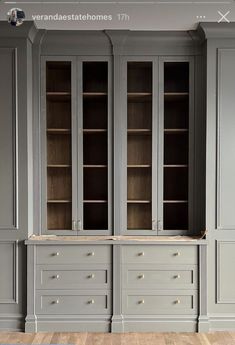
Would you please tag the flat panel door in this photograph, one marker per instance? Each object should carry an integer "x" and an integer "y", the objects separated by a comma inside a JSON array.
[
  {"x": 176, "y": 154},
  {"x": 59, "y": 146},
  {"x": 94, "y": 158},
  {"x": 140, "y": 149}
]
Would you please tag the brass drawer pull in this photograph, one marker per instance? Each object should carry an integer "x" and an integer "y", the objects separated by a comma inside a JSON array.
[
  {"x": 177, "y": 301},
  {"x": 91, "y": 254},
  {"x": 141, "y": 301},
  {"x": 91, "y": 301},
  {"x": 141, "y": 254},
  {"x": 56, "y": 301},
  {"x": 141, "y": 276},
  {"x": 91, "y": 276}
]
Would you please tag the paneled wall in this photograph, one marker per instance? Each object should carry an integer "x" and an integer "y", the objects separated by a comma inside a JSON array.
[
  {"x": 220, "y": 183},
  {"x": 15, "y": 170}
]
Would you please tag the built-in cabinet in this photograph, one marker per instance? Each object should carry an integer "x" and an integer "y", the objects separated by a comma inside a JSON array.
[
  {"x": 118, "y": 146},
  {"x": 157, "y": 165}
]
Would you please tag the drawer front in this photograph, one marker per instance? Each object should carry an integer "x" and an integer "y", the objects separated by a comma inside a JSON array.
[
  {"x": 152, "y": 277},
  {"x": 73, "y": 254},
  {"x": 73, "y": 277},
  {"x": 181, "y": 302},
  {"x": 159, "y": 254},
  {"x": 87, "y": 302}
]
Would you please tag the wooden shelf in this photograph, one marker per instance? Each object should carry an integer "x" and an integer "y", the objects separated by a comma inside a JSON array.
[
  {"x": 98, "y": 130},
  {"x": 175, "y": 130},
  {"x": 176, "y": 166},
  {"x": 175, "y": 95},
  {"x": 58, "y": 131},
  {"x": 139, "y": 166},
  {"x": 58, "y": 201},
  {"x": 94, "y": 94},
  {"x": 175, "y": 201},
  {"x": 139, "y": 96},
  {"x": 95, "y": 166},
  {"x": 59, "y": 166},
  {"x": 140, "y": 131},
  {"x": 138, "y": 201},
  {"x": 95, "y": 201},
  {"x": 58, "y": 96}
]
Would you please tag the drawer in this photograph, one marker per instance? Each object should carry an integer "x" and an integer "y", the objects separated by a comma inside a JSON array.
[
  {"x": 159, "y": 254},
  {"x": 69, "y": 303},
  {"x": 73, "y": 276},
  {"x": 159, "y": 277},
  {"x": 160, "y": 302},
  {"x": 73, "y": 254}
]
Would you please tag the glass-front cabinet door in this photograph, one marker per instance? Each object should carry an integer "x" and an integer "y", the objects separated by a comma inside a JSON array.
[
  {"x": 76, "y": 122},
  {"x": 140, "y": 206},
  {"x": 176, "y": 130},
  {"x": 159, "y": 150}
]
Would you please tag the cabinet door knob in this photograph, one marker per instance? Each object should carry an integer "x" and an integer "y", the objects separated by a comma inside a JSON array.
[
  {"x": 56, "y": 301},
  {"x": 56, "y": 254},
  {"x": 57, "y": 276},
  {"x": 91, "y": 301},
  {"x": 91, "y": 276},
  {"x": 91, "y": 254},
  {"x": 177, "y": 276},
  {"x": 177, "y": 301},
  {"x": 177, "y": 254},
  {"x": 141, "y": 301},
  {"x": 141, "y": 254},
  {"x": 141, "y": 276}
]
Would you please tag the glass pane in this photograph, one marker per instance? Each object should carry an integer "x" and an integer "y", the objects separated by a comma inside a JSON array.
[
  {"x": 95, "y": 145},
  {"x": 58, "y": 116},
  {"x": 176, "y": 145},
  {"x": 139, "y": 145}
]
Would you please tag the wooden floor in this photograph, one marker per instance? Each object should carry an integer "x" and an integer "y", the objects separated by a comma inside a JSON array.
[{"x": 217, "y": 338}]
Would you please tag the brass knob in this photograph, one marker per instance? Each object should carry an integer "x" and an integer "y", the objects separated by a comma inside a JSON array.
[
  {"x": 91, "y": 301},
  {"x": 141, "y": 276},
  {"x": 56, "y": 254},
  {"x": 141, "y": 254},
  {"x": 141, "y": 301},
  {"x": 91, "y": 276},
  {"x": 91, "y": 254},
  {"x": 177, "y": 254},
  {"x": 57, "y": 276}
]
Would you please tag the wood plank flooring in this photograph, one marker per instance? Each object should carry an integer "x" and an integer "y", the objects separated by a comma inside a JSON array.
[{"x": 216, "y": 338}]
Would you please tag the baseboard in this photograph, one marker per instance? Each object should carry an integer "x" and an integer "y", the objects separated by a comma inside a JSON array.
[
  {"x": 160, "y": 324},
  {"x": 222, "y": 322},
  {"x": 54, "y": 323},
  {"x": 11, "y": 322}
]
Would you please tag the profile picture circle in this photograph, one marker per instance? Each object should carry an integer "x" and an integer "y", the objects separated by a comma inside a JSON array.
[{"x": 16, "y": 16}]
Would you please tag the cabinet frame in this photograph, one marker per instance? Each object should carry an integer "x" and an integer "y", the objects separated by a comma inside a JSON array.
[
  {"x": 191, "y": 143},
  {"x": 80, "y": 61},
  {"x": 123, "y": 136},
  {"x": 76, "y": 143},
  {"x": 43, "y": 127}
]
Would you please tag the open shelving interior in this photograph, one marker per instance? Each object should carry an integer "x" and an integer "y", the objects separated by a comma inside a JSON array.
[
  {"x": 176, "y": 145},
  {"x": 58, "y": 119},
  {"x": 95, "y": 145},
  {"x": 139, "y": 145}
]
